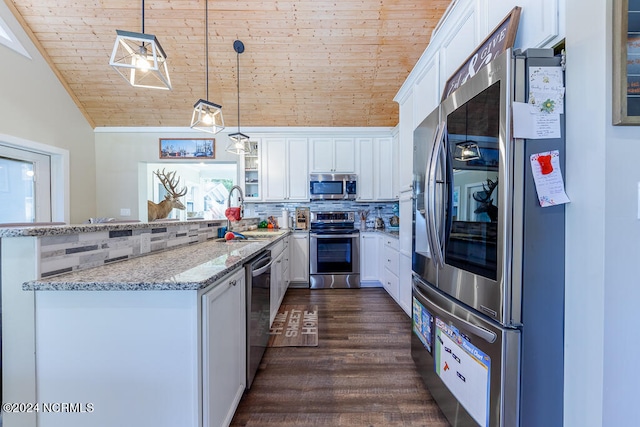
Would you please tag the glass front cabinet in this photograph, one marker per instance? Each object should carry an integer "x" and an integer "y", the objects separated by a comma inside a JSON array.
[{"x": 251, "y": 172}]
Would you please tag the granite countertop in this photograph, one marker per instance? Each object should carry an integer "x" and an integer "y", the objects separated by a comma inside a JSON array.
[
  {"x": 385, "y": 231},
  {"x": 190, "y": 267},
  {"x": 56, "y": 229}
]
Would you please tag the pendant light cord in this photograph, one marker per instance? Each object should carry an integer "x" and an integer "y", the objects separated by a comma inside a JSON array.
[
  {"x": 238, "y": 85},
  {"x": 206, "y": 46}
]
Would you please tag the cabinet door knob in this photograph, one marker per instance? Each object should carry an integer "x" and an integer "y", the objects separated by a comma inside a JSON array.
[{"x": 232, "y": 283}]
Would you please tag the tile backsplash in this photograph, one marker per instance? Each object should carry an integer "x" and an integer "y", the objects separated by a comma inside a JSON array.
[
  {"x": 77, "y": 251},
  {"x": 387, "y": 209}
]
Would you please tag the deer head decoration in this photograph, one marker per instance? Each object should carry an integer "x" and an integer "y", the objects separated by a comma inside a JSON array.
[
  {"x": 171, "y": 199},
  {"x": 485, "y": 200}
]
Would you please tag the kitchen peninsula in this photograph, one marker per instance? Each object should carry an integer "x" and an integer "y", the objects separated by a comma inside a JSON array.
[{"x": 156, "y": 339}]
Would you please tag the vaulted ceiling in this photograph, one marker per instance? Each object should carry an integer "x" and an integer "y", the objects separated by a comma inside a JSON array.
[{"x": 306, "y": 62}]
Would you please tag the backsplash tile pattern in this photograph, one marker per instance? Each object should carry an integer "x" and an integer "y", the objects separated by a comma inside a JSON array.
[
  {"x": 70, "y": 252},
  {"x": 264, "y": 210}
]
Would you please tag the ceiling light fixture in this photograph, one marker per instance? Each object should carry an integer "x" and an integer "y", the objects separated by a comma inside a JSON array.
[
  {"x": 466, "y": 150},
  {"x": 140, "y": 60},
  {"x": 207, "y": 116},
  {"x": 239, "y": 142}
]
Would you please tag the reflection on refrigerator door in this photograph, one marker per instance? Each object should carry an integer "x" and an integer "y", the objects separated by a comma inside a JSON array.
[{"x": 469, "y": 364}]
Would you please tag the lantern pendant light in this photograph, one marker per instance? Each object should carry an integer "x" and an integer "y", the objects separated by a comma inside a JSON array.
[
  {"x": 466, "y": 150},
  {"x": 239, "y": 142},
  {"x": 140, "y": 60},
  {"x": 207, "y": 116}
]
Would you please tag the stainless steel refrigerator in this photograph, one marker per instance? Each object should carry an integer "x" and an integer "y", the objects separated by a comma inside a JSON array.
[{"x": 488, "y": 260}]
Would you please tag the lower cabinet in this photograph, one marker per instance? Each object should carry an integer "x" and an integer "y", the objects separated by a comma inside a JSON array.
[
  {"x": 299, "y": 258},
  {"x": 405, "y": 285},
  {"x": 279, "y": 276},
  {"x": 223, "y": 349},
  {"x": 390, "y": 259},
  {"x": 178, "y": 355},
  {"x": 369, "y": 259}
]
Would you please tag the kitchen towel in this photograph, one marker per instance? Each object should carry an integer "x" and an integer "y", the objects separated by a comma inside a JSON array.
[{"x": 233, "y": 214}]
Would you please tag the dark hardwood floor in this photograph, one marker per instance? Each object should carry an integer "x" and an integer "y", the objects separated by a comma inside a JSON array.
[{"x": 361, "y": 373}]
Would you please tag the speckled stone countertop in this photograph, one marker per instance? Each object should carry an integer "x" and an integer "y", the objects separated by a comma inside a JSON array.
[
  {"x": 385, "y": 231},
  {"x": 190, "y": 267},
  {"x": 41, "y": 229}
]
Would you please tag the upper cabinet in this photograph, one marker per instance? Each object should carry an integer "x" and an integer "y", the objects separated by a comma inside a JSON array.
[
  {"x": 377, "y": 169},
  {"x": 251, "y": 170},
  {"x": 332, "y": 155},
  {"x": 284, "y": 161}
]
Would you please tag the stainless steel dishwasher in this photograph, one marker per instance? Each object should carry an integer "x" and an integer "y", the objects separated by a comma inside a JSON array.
[{"x": 258, "y": 274}]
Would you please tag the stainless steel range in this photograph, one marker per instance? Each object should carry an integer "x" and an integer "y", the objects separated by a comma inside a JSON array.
[{"x": 334, "y": 251}]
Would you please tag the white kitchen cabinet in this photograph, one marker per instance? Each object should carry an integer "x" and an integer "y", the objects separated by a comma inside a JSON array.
[
  {"x": 285, "y": 169},
  {"x": 286, "y": 265},
  {"x": 370, "y": 259},
  {"x": 297, "y": 169},
  {"x": 406, "y": 220},
  {"x": 250, "y": 167},
  {"x": 274, "y": 161},
  {"x": 377, "y": 169},
  {"x": 276, "y": 294},
  {"x": 366, "y": 171},
  {"x": 279, "y": 273},
  {"x": 184, "y": 349},
  {"x": 299, "y": 258},
  {"x": 405, "y": 243},
  {"x": 332, "y": 155},
  {"x": 405, "y": 284},
  {"x": 223, "y": 349},
  {"x": 390, "y": 260},
  {"x": 386, "y": 170}
]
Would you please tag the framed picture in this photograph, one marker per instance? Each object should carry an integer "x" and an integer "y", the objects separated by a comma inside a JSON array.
[
  {"x": 188, "y": 148},
  {"x": 626, "y": 62}
]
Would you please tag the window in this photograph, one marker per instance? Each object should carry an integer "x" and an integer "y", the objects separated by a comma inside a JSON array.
[
  {"x": 25, "y": 186},
  {"x": 8, "y": 39}
]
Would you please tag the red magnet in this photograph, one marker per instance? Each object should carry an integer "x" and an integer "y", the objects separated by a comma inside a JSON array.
[{"x": 545, "y": 164}]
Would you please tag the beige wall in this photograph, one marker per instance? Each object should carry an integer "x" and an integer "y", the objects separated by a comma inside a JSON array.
[
  {"x": 122, "y": 156},
  {"x": 34, "y": 106}
]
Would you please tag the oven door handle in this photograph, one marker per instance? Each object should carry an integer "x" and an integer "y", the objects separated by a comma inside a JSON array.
[{"x": 330, "y": 236}]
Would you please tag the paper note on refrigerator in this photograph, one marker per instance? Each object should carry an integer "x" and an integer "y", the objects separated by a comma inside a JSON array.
[
  {"x": 546, "y": 89},
  {"x": 531, "y": 124},
  {"x": 548, "y": 178}
]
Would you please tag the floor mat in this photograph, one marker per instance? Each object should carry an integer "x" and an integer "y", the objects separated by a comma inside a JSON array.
[{"x": 295, "y": 326}]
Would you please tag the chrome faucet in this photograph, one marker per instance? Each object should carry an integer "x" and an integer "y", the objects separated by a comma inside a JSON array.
[{"x": 235, "y": 187}]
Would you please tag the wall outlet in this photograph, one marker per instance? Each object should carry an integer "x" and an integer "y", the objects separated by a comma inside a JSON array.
[
  {"x": 145, "y": 243},
  {"x": 125, "y": 212}
]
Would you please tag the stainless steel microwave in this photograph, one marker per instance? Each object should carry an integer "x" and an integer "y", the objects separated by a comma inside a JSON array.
[{"x": 332, "y": 186}]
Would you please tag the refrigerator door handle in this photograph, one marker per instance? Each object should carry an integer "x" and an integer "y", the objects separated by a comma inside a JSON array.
[
  {"x": 435, "y": 241},
  {"x": 442, "y": 157},
  {"x": 428, "y": 197},
  {"x": 476, "y": 330}
]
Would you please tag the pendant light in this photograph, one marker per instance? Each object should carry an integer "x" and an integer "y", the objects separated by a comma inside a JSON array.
[
  {"x": 466, "y": 150},
  {"x": 140, "y": 60},
  {"x": 239, "y": 142},
  {"x": 207, "y": 116}
]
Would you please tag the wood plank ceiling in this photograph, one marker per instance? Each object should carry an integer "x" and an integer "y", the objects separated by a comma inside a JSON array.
[{"x": 306, "y": 63}]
